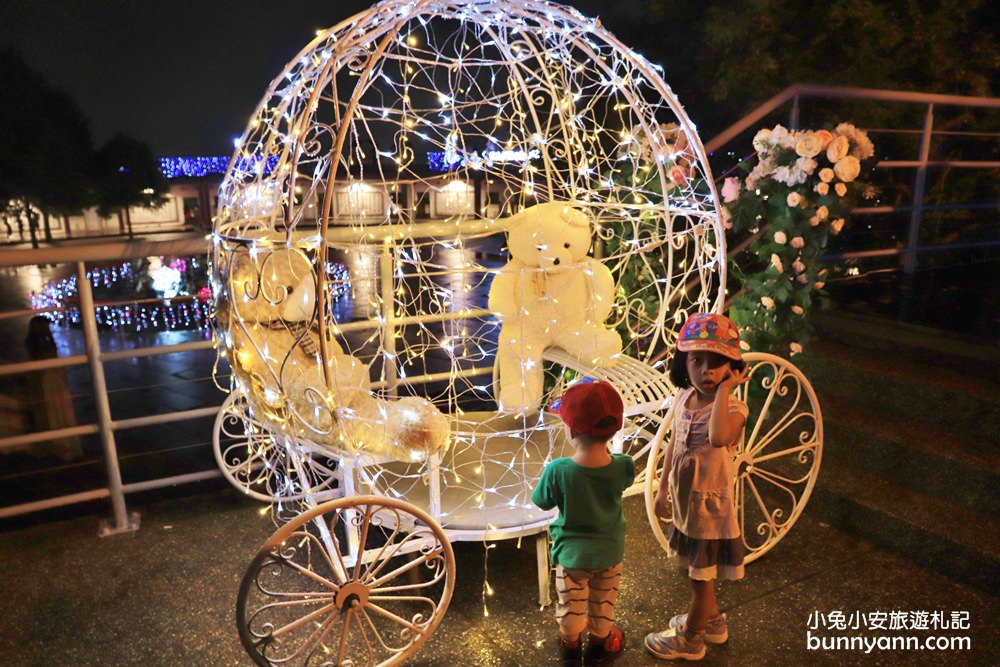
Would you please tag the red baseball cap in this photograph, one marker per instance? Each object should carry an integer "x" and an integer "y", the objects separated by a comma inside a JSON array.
[{"x": 586, "y": 404}]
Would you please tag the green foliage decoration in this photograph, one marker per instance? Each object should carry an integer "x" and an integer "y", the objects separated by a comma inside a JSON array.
[{"x": 796, "y": 194}]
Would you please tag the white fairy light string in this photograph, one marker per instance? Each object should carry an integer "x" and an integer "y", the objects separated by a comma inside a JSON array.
[{"x": 529, "y": 102}]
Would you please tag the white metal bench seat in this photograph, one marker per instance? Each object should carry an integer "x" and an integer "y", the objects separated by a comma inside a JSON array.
[{"x": 643, "y": 388}]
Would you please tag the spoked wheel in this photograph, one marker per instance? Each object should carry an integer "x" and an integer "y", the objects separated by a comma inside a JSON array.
[
  {"x": 258, "y": 462},
  {"x": 777, "y": 464},
  {"x": 305, "y": 600}
]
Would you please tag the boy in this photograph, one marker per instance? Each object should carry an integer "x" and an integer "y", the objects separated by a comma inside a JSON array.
[{"x": 588, "y": 537}]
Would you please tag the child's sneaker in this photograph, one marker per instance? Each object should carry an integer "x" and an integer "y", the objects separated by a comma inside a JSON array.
[
  {"x": 604, "y": 651},
  {"x": 669, "y": 645},
  {"x": 717, "y": 631},
  {"x": 570, "y": 655}
]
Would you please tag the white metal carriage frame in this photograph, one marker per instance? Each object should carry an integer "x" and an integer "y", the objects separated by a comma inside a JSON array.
[{"x": 582, "y": 117}]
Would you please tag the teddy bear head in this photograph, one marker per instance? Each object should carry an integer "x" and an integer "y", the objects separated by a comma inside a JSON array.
[
  {"x": 553, "y": 236},
  {"x": 274, "y": 284}
]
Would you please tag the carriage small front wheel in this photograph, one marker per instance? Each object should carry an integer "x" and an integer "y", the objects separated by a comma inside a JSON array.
[
  {"x": 362, "y": 580},
  {"x": 776, "y": 464}
]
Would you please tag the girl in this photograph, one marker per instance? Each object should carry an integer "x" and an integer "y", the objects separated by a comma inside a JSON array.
[{"x": 698, "y": 478}]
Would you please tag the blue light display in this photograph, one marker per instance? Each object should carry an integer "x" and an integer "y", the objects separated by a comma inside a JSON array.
[{"x": 198, "y": 167}]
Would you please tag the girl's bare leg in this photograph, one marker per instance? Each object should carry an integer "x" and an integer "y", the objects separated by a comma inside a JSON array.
[{"x": 703, "y": 605}]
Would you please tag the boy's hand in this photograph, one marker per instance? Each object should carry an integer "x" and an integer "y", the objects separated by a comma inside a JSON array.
[
  {"x": 662, "y": 506},
  {"x": 735, "y": 379}
]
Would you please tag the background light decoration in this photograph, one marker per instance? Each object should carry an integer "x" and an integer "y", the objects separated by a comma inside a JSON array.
[
  {"x": 363, "y": 103},
  {"x": 153, "y": 294},
  {"x": 197, "y": 167}
]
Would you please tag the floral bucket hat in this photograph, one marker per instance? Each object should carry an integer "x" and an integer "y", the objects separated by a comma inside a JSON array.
[{"x": 711, "y": 333}]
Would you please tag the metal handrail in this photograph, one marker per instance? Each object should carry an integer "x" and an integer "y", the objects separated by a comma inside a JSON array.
[
  {"x": 917, "y": 206},
  {"x": 105, "y": 426}
]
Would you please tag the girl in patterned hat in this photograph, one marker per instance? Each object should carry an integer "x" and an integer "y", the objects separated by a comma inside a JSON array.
[{"x": 696, "y": 487}]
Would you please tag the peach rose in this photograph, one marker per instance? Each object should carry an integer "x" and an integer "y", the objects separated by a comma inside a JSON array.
[
  {"x": 847, "y": 169},
  {"x": 679, "y": 175},
  {"x": 794, "y": 348},
  {"x": 798, "y": 266},
  {"x": 798, "y": 242},
  {"x": 776, "y": 263},
  {"x": 793, "y": 199},
  {"x": 822, "y": 189},
  {"x": 808, "y": 145},
  {"x": 822, "y": 212},
  {"x": 797, "y": 310},
  {"x": 840, "y": 189},
  {"x": 767, "y": 302},
  {"x": 825, "y": 137},
  {"x": 819, "y": 284},
  {"x": 838, "y": 149},
  {"x": 826, "y": 174},
  {"x": 780, "y": 238},
  {"x": 837, "y": 225}
]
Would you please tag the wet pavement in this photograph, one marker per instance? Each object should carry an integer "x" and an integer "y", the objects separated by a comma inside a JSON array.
[{"x": 165, "y": 595}]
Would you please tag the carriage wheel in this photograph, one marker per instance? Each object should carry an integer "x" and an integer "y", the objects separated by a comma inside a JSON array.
[
  {"x": 258, "y": 462},
  {"x": 306, "y": 601},
  {"x": 777, "y": 464}
]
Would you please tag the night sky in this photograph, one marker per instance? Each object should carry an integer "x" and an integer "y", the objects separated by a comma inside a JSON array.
[{"x": 183, "y": 76}]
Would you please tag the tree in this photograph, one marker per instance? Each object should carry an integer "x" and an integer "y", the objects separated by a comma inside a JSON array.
[{"x": 128, "y": 175}]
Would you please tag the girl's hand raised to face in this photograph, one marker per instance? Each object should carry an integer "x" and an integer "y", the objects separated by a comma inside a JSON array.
[{"x": 735, "y": 379}]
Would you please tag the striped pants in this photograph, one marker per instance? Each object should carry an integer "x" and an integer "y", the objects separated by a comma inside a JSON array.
[{"x": 587, "y": 598}]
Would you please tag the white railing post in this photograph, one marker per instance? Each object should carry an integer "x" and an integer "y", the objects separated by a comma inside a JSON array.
[
  {"x": 919, "y": 184},
  {"x": 793, "y": 119},
  {"x": 123, "y": 521},
  {"x": 390, "y": 372}
]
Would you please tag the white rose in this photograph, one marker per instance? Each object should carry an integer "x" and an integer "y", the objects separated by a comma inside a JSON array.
[
  {"x": 767, "y": 302},
  {"x": 781, "y": 137},
  {"x": 797, "y": 310},
  {"x": 794, "y": 348},
  {"x": 822, "y": 189},
  {"x": 837, "y": 225},
  {"x": 806, "y": 164},
  {"x": 798, "y": 242},
  {"x": 822, "y": 212},
  {"x": 838, "y": 149},
  {"x": 761, "y": 140},
  {"x": 847, "y": 169},
  {"x": 808, "y": 145},
  {"x": 826, "y": 174},
  {"x": 793, "y": 199},
  {"x": 780, "y": 238},
  {"x": 840, "y": 189},
  {"x": 776, "y": 263}
]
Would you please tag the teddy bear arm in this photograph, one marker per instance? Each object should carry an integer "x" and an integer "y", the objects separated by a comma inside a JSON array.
[
  {"x": 603, "y": 290},
  {"x": 502, "y": 290}
]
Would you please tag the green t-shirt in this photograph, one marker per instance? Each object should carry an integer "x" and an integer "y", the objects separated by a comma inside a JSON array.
[{"x": 590, "y": 531}]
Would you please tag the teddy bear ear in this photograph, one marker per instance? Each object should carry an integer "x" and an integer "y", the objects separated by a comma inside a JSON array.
[{"x": 574, "y": 217}]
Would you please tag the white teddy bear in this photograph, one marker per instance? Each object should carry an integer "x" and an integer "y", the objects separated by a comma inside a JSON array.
[
  {"x": 277, "y": 351},
  {"x": 550, "y": 294}
]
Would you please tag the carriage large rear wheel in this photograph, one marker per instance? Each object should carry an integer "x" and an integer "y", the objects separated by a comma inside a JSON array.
[
  {"x": 778, "y": 461},
  {"x": 363, "y": 580}
]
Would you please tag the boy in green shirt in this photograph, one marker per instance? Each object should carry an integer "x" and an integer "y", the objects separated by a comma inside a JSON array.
[{"x": 588, "y": 538}]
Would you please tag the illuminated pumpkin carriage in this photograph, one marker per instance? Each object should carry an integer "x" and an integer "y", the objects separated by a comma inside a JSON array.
[{"x": 387, "y": 425}]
